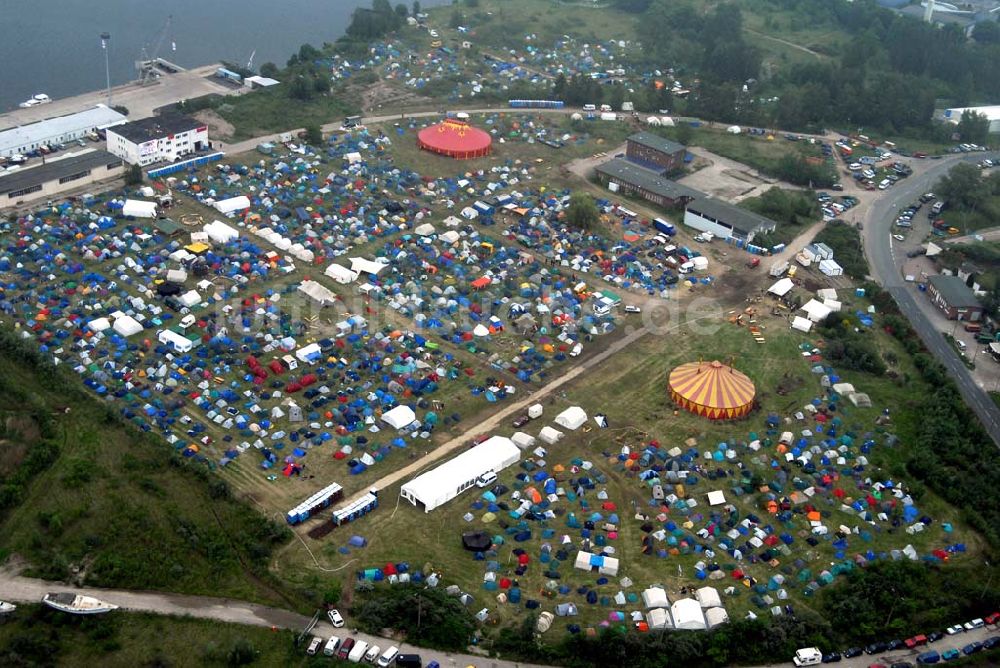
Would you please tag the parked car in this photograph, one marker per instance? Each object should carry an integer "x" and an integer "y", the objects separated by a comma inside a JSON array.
[
  {"x": 928, "y": 658},
  {"x": 876, "y": 648},
  {"x": 934, "y": 636},
  {"x": 950, "y": 654},
  {"x": 901, "y": 664},
  {"x": 993, "y": 618},
  {"x": 916, "y": 641},
  {"x": 632, "y": 308},
  {"x": 992, "y": 642},
  {"x": 314, "y": 646},
  {"x": 952, "y": 630},
  {"x": 335, "y": 618},
  {"x": 893, "y": 645},
  {"x": 832, "y": 657},
  {"x": 345, "y": 648},
  {"x": 852, "y": 652},
  {"x": 976, "y": 623},
  {"x": 972, "y": 648},
  {"x": 521, "y": 420}
]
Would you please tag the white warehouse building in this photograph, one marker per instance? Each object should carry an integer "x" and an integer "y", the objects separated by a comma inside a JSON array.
[
  {"x": 25, "y": 138},
  {"x": 158, "y": 139},
  {"x": 438, "y": 486},
  {"x": 725, "y": 220},
  {"x": 991, "y": 113}
]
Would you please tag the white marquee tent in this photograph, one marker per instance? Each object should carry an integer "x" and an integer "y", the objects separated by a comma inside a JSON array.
[
  {"x": 399, "y": 417},
  {"x": 233, "y": 204},
  {"x": 442, "y": 484},
  {"x": 687, "y": 615},
  {"x": 708, "y": 597},
  {"x": 716, "y": 616},
  {"x": 658, "y": 618},
  {"x": 655, "y": 597},
  {"x": 782, "y": 287},
  {"x": 139, "y": 208},
  {"x": 221, "y": 233},
  {"x": 341, "y": 274},
  {"x": 126, "y": 325},
  {"x": 362, "y": 266},
  {"x": 572, "y": 418}
]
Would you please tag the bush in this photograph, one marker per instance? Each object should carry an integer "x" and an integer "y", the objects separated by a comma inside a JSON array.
[{"x": 429, "y": 617}]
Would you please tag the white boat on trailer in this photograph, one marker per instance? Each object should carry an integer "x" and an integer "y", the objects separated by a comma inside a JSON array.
[{"x": 77, "y": 604}]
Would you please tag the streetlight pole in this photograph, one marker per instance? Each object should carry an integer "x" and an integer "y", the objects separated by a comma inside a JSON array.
[{"x": 105, "y": 39}]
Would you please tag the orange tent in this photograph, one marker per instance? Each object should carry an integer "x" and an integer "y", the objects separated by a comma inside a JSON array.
[
  {"x": 713, "y": 390},
  {"x": 481, "y": 283}
]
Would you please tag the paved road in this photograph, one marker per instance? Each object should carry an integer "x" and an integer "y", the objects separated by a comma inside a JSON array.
[
  {"x": 17, "y": 589},
  {"x": 885, "y": 269}
]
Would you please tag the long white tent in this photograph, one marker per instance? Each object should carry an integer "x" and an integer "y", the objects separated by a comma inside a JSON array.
[{"x": 444, "y": 483}]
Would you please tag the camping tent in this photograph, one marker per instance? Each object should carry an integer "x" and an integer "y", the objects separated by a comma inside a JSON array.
[
  {"x": 572, "y": 418},
  {"x": 232, "y": 205},
  {"x": 708, "y": 597},
  {"x": 655, "y": 597},
  {"x": 713, "y": 390},
  {"x": 360, "y": 265},
  {"x": 341, "y": 274},
  {"x": 399, "y": 417},
  {"x": 221, "y": 233},
  {"x": 126, "y": 325},
  {"x": 782, "y": 287},
  {"x": 716, "y": 616},
  {"x": 801, "y": 324},
  {"x": 687, "y": 615},
  {"x": 424, "y": 230},
  {"x": 658, "y": 618},
  {"x": 816, "y": 311},
  {"x": 550, "y": 435},
  {"x": 318, "y": 293},
  {"x": 139, "y": 208},
  {"x": 605, "y": 565},
  {"x": 476, "y": 541}
]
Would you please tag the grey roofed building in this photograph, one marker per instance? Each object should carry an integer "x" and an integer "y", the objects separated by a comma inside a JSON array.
[
  {"x": 745, "y": 223},
  {"x": 156, "y": 127},
  {"x": 954, "y": 291},
  {"x": 56, "y": 130},
  {"x": 656, "y": 142},
  {"x": 646, "y": 181},
  {"x": 61, "y": 169}
]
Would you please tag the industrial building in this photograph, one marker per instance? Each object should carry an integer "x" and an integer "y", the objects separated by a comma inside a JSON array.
[
  {"x": 992, "y": 114},
  {"x": 655, "y": 152},
  {"x": 158, "y": 139},
  {"x": 725, "y": 220},
  {"x": 631, "y": 179},
  {"x": 57, "y": 176},
  {"x": 955, "y": 298},
  {"x": 53, "y": 131}
]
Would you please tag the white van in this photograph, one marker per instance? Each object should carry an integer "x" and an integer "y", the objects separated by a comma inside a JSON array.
[
  {"x": 314, "y": 646},
  {"x": 358, "y": 652},
  {"x": 807, "y": 656},
  {"x": 605, "y": 107},
  {"x": 388, "y": 656},
  {"x": 486, "y": 479},
  {"x": 589, "y": 107},
  {"x": 187, "y": 321},
  {"x": 331, "y": 646},
  {"x": 372, "y": 653}
]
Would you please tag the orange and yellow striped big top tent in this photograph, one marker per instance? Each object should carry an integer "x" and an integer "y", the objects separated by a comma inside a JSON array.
[{"x": 712, "y": 389}]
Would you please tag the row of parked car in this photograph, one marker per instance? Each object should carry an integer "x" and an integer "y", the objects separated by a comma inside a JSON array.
[{"x": 922, "y": 640}]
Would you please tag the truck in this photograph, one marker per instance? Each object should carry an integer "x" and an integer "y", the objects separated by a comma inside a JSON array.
[
  {"x": 664, "y": 226},
  {"x": 358, "y": 652},
  {"x": 778, "y": 269},
  {"x": 807, "y": 656}
]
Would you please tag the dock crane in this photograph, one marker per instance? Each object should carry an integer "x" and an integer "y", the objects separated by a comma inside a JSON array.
[{"x": 146, "y": 65}]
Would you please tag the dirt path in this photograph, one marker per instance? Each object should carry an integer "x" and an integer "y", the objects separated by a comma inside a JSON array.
[{"x": 797, "y": 47}]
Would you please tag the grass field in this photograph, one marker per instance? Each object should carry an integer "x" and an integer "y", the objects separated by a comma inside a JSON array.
[
  {"x": 112, "y": 497},
  {"x": 968, "y": 221},
  {"x": 630, "y": 390},
  {"x": 761, "y": 153}
]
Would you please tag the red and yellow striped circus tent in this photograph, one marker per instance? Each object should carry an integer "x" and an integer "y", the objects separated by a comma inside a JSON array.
[{"x": 712, "y": 389}]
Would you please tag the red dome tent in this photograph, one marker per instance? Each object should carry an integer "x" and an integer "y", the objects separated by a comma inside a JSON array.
[{"x": 456, "y": 139}]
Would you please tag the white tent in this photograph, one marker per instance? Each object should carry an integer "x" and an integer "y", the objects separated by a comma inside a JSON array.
[
  {"x": 98, "y": 324},
  {"x": 190, "y": 298},
  {"x": 605, "y": 565},
  {"x": 802, "y": 324},
  {"x": 440, "y": 485},
  {"x": 782, "y": 287},
  {"x": 687, "y": 615},
  {"x": 550, "y": 435},
  {"x": 139, "y": 208},
  {"x": 522, "y": 440},
  {"x": 815, "y": 311},
  {"x": 833, "y": 305},
  {"x": 716, "y": 617},
  {"x": 126, "y": 325},
  {"x": 572, "y": 418},
  {"x": 700, "y": 263},
  {"x": 535, "y": 411},
  {"x": 399, "y": 417},
  {"x": 233, "y": 204},
  {"x": 424, "y": 230},
  {"x": 452, "y": 221},
  {"x": 734, "y": 129},
  {"x": 341, "y": 274},
  {"x": 655, "y": 597},
  {"x": 362, "y": 266},
  {"x": 826, "y": 293},
  {"x": 716, "y": 497},
  {"x": 318, "y": 293},
  {"x": 221, "y": 233},
  {"x": 708, "y": 597},
  {"x": 658, "y": 618},
  {"x": 450, "y": 237}
]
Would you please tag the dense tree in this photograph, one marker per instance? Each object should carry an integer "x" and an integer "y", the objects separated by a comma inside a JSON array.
[
  {"x": 133, "y": 175},
  {"x": 269, "y": 70},
  {"x": 301, "y": 88},
  {"x": 416, "y": 7},
  {"x": 973, "y": 127},
  {"x": 987, "y": 32},
  {"x": 314, "y": 135},
  {"x": 582, "y": 210},
  {"x": 963, "y": 187}
]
